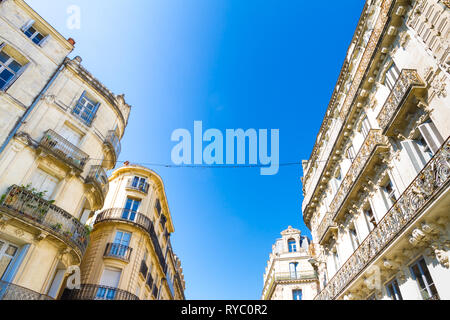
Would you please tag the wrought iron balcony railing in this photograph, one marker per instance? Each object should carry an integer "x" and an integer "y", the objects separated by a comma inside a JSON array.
[
  {"x": 97, "y": 177},
  {"x": 97, "y": 292},
  {"x": 64, "y": 150},
  {"x": 407, "y": 80},
  {"x": 294, "y": 276},
  {"x": 138, "y": 186},
  {"x": 430, "y": 182},
  {"x": 325, "y": 225},
  {"x": 118, "y": 251},
  {"x": 113, "y": 141},
  {"x": 9, "y": 291},
  {"x": 138, "y": 219},
  {"x": 24, "y": 204}
]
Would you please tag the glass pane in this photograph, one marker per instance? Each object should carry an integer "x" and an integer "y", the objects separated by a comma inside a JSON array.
[
  {"x": 38, "y": 38},
  {"x": 4, "y": 264},
  {"x": 6, "y": 75},
  {"x": 11, "y": 251},
  {"x": 15, "y": 66},
  {"x": 1, "y": 245},
  {"x": 29, "y": 33},
  {"x": 4, "y": 57}
]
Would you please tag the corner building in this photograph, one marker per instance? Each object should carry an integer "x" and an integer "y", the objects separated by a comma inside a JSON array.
[
  {"x": 130, "y": 256},
  {"x": 60, "y": 130},
  {"x": 289, "y": 273},
  {"x": 377, "y": 185}
]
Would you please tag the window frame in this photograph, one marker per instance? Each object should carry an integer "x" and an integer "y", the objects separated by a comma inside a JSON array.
[
  {"x": 6, "y": 66},
  {"x": 427, "y": 289},
  {"x": 397, "y": 294},
  {"x": 81, "y": 108}
]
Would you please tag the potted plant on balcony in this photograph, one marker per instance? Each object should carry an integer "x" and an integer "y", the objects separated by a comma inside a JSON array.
[{"x": 57, "y": 227}]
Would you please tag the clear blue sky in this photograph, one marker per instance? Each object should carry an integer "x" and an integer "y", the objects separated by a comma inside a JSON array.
[{"x": 232, "y": 64}]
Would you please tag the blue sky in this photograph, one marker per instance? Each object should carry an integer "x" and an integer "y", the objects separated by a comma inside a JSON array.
[{"x": 232, "y": 64}]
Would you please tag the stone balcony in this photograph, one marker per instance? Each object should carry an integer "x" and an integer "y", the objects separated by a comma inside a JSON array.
[
  {"x": 407, "y": 86},
  {"x": 98, "y": 179},
  {"x": 29, "y": 207},
  {"x": 428, "y": 184},
  {"x": 112, "y": 149}
]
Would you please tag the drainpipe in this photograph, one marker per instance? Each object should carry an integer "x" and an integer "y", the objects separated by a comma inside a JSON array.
[{"x": 31, "y": 108}]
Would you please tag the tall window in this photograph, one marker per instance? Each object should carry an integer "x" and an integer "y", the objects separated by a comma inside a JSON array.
[
  {"x": 292, "y": 245},
  {"x": 337, "y": 263},
  {"x": 297, "y": 294},
  {"x": 131, "y": 209},
  {"x": 393, "y": 290},
  {"x": 391, "y": 76},
  {"x": 351, "y": 153},
  {"x": 422, "y": 275},
  {"x": 389, "y": 194},
  {"x": 8, "y": 252},
  {"x": 365, "y": 127},
  {"x": 85, "y": 109},
  {"x": 370, "y": 218},
  {"x": 108, "y": 284},
  {"x": 43, "y": 182},
  {"x": 354, "y": 238},
  {"x": 121, "y": 243},
  {"x": 9, "y": 69},
  {"x": 293, "y": 269},
  {"x": 140, "y": 183}
]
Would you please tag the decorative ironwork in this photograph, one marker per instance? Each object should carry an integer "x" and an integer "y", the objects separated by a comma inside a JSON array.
[
  {"x": 325, "y": 225},
  {"x": 407, "y": 80},
  {"x": 64, "y": 150},
  {"x": 295, "y": 276},
  {"x": 24, "y": 204},
  {"x": 138, "y": 219},
  {"x": 119, "y": 251},
  {"x": 98, "y": 177},
  {"x": 430, "y": 182},
  {"x": 9, "y": 291},
  {"x": 97, "y": 292}
]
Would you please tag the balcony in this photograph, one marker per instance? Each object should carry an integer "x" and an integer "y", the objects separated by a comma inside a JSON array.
[
  {"x": 367, "y": 155},
  {"x": 9, "y": 291},
  {"x": 33, "y": 209},
  {"x": 118, "y": 251},
  {"x": 137, "y": 219},
  {"x": 112, "y": 149},
  {"x": 295, "y": 276},
  {"x": 138, "y": 186},
  {"x": 97, "y": 292},
  {"x": 408, "y": 84},
  {"x": 99, "y": 180},
  {"x": 63, "y": 150},
  {"x": 326, "y": 228},
  {"x": 429, "y": 183}
]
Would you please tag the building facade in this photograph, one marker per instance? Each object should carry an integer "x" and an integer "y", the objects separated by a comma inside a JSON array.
[
  {"x": 289, "y": 274},
  {"x": 130, "y": 256},
  {"x": 60, "y": 130},
  {"x": 376, "y": 188}
]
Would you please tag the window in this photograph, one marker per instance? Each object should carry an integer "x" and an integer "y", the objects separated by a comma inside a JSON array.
[
  {"x": 393, "y": 290},
  {"x": 85, "y": 109},
  {"x": 389, "y": 194},
  {"x": 121, "y": 243},
  {"x": 43, "y": 182},
  {"x": 140, "y": 184},
  {"x": 370, "y": 218},
  {"x": 365, "y": 127},
  {"x": 420, "y": 273},
  {"x": 31, "y": 32},
  {"x": 292, "y": 244},
  {"x": 391, "y": 76},
  {"x": 10, "y": 69},
  {"x": 337, "y": 263},
  {"x": 131, "y": 208},
  {"x": 431, "y": 136},
  {"x": 8, "y": 252},
  {"x": 108, "y": 284},
  {"x": 70, "y": 135},
  {"x": 351, "y": 153},
  {"x": 354, "y": 238},
  {"x": 297, "y": 294},
  {"x": 293, "y": 269}
]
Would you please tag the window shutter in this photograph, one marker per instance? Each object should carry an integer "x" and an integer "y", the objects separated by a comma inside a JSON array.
[
  {"x": 431, "y": 135},
  {"x": 27, "y": 25},
  {"x": 414, "y": 154},
  {"x": 2, "y": 46},
  {"x": 16, "y": 76},
  {"x": 94, "y": 112},
  {"x": 44, "y": 41}
]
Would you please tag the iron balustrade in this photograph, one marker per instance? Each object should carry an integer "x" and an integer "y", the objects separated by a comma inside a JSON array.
[
  {"x": 138, "y": 219},
  {"x": 116, "y": 250},
  {"x": 114, "y": 142},
  {"x": 138, "y": 186},
  {"x": 408, "y": 79},
  {"x": 98, "y": 177},
  {"x": 97, "y": 292},
  {"x": 64, "y": 150},
  {"x": 9, "y": 291},
  {"x": 288, "y": 276},
  {"x": 24, "y": 204},
  {"x": 428, "y": 184}
]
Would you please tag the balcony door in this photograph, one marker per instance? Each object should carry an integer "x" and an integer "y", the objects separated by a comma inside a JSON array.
[
  {"x": 109, "y": 284},
  {"x": 43, "y": 182},
  {"x": 70, "y": 135},
  {"x": 121, "y": 243},
  {"x": 8, "y": 252},
  {"x": 293, "y": 269},
  {"x": 131, "y": 208}
]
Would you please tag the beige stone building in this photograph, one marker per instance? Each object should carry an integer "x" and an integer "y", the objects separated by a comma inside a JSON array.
[
  {"x": 289, "y": 274},
  {"x": 377, "y": 185},
  {"x": 130, "y": 256},
  {"x": 60, "y": 129}
]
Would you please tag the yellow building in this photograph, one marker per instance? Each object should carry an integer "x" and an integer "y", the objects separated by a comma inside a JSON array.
[
  {"x": 60, "y": 129},
  {"x": 130, "y": 256}
]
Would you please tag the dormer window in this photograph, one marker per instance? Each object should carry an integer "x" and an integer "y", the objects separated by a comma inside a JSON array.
[
  {"x": 32, "y": 32},
  {"x": 85, "y": 109},
  {"x": 292, "y": 244}
]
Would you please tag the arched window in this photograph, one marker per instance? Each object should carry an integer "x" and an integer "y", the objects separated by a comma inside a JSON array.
[{"x": 292, "y": 244}]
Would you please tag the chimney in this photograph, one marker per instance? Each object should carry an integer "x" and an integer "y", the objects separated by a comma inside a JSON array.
[
  {"x": 126, "y": 163},
  {"x": 71, "y": 41}
]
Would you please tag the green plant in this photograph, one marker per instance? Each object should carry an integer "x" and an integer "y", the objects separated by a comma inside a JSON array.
[
  {"x": 88, "y": 229},
  {"x": 2, "y": 199},
  {"x": 57, "y": 226}
]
